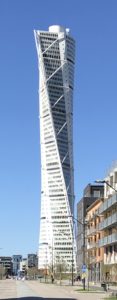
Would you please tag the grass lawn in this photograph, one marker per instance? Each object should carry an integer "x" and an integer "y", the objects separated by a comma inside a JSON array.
[
  {"x": 88, "y": 291},
  {"x": 110, "y": 298}
]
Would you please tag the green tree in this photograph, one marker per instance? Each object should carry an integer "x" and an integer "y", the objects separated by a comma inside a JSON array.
[{"x": 33, "y": 272}]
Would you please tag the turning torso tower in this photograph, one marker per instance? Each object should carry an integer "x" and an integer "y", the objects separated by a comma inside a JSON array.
[{"x": 56, "y": 52}]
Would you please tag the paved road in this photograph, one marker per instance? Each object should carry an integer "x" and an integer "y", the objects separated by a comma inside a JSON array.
[{"x": 33, "y": 290}]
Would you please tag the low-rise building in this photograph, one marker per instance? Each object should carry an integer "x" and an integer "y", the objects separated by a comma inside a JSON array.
[
  {"x": 109, "y": 225},
  {"x": 6, "y": 263},
  {"x": 90, "y": 194},
  {"x": 94, "y": 255}
]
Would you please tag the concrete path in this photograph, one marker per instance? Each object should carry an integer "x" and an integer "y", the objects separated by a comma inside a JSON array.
[
  {"x": 8, "y": 289},
  {"x": 34, "y": 290}
]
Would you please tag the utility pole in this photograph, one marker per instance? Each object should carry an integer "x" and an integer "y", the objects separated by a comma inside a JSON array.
[
  {"x": 84, "y": 252},
  {"x": 52, "y": 275},
  {"x": 84, "y": 257},
  {"x": 72, "y": 255}
]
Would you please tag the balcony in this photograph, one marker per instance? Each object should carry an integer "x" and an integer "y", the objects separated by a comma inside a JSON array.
[
  {"x": 92, "y": 245},
  {"x": 110, "y": 239},
  {"x": 92, "y": 230},
  {"x": 110, "y": 259},
  {"x": 93, "y": 215},
  {"x": 108, "y": 203},
  {"x": 103, "y": 224},
  {"x": 110, "y": 221}
]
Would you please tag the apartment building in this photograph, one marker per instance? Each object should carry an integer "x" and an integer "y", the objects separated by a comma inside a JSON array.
[
  {"x": 94, "y": 255},
  {"x": 90, "y": 194},
  {"x": 109, "y": 225},
  {"x": 32, "y": 260},
  {"x": 6, "y": 263}
]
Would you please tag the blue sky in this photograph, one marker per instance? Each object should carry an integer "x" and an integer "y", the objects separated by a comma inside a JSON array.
[{"x": 93, "y": 24}]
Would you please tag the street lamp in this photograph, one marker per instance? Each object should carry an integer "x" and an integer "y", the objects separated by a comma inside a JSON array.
[
  {"x": 52, "y": 263},
  {"x": 107, "y": 183},
  {"x": 72, "y": 270},
  {"x": 83, "y": 224}
]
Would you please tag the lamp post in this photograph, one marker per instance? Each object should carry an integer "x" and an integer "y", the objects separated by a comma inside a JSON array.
[
  {"x": 52, "y": 260},
  {"x": 83, "y": 224},
  {"x": 72, "y": 267},
  {"x": 52, "y": 275},
  {"x": 72, "y": 256}
]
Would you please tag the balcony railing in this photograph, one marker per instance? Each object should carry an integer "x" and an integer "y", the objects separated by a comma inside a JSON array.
[
  {"x": 108, "y": 203},
  {"x": 108, "y": 222},
  {"x": 110, "y": 259},
  {"x": 110, "y": 239},
  {"x": 92, "y": 230},
  {"x": 93, "y": 215},
  {"x": 92, "y": 245}
]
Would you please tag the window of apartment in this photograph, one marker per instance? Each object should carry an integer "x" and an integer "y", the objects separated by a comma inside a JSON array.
[
  {"x": 96, "y": 194},
  {"x": 110, "y": 249},
  {"x": 110, "y": 231},
  {"x": 111, "y": 180},
  {"x": 115, "y": 177},
  {"x": 115, "y": 248},
  {"x": 98, "y": 251},
  {"x": 106, "y": 251}
]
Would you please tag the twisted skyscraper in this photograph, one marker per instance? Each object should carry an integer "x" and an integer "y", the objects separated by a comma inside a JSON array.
[{"x": 56, "y": 51}]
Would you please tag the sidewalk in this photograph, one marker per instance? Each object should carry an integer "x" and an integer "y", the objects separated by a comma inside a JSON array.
[
  {"x": 79, "y": 295},
  {"x": 8, "y": 289},
  {"x": 12, "y": 289},
  {"x": 53, "y": 291}
]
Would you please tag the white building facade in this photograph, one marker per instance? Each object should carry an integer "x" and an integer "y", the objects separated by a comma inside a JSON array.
[{"x": 56, "y": 54}]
